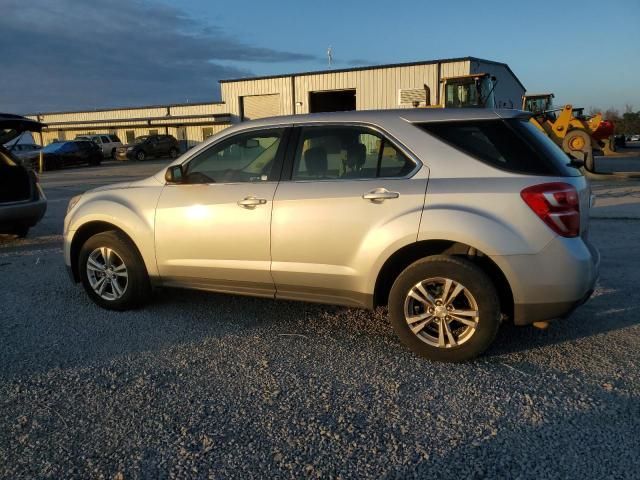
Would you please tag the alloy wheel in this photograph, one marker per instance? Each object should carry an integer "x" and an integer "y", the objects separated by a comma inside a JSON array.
[
  {"x": 441, "y": 312},
  {"x": 107, "y": 273}
]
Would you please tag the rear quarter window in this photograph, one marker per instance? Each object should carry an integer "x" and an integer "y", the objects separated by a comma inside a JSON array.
[{"x": 514, "y": 145}]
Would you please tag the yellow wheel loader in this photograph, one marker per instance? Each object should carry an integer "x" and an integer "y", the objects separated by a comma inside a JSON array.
[
  {"x": 465, "y": 91},
  {"x": 578, "y": 135}
]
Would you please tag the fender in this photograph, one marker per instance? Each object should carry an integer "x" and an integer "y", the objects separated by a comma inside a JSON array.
[
  {"x": 132, "y": 210},
  {"x": 484, "y": 231}
]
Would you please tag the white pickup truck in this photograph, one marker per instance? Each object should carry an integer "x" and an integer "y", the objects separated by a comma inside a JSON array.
[{"x": 108, "y": 142}]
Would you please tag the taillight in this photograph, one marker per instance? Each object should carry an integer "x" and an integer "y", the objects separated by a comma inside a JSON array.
[{"x": 557, "y": 204}]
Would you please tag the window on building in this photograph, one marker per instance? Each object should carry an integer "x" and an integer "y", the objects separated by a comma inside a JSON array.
[
  {"x": 131, "y": 136},
  {"x": 207, "y": 132},
  {"x": 335, "y": 153}
]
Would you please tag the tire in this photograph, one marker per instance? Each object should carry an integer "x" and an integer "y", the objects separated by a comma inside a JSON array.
[
  {"x": 140, "y": 156},
  {"x": 21, "y": 231},
  {"x": 428, "y": 341},
  {"x": 133, "y": 289},
  {"x": 585, "y": 150},
  {"x": 173, "y": 153},
  {"x": 113, "y": 154}
]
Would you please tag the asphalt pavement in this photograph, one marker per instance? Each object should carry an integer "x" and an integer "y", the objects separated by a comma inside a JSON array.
[{"x": 201, "y": 385}]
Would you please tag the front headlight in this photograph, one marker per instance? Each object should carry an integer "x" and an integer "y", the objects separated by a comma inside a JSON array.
[
  {"x": 73, "y": 202},
  {"x": 129, "y": 149}
]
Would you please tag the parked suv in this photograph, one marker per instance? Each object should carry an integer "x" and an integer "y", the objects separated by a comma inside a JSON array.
[
  {"x": 454, "y": 219},
  {"x": 22, "y": 201},
  {"x": 107, "y": 142},
  {"x": 149, "y": 146}
]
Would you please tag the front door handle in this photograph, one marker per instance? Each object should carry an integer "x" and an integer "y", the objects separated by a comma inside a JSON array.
[
  {"x": 251, "y": 202},
  {"x": 380, "y": 194}
]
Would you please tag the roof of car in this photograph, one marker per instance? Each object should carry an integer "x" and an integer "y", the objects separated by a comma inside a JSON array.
[{"x": 412, "y": 115}]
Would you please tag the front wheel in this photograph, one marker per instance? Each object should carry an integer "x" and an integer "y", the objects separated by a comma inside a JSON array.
[
  {"x": 140, "y": 156},
  {"x": 444, "y": 308},
  {"x": 112, "y": 272},
  {"x": 173, "y": 153}
]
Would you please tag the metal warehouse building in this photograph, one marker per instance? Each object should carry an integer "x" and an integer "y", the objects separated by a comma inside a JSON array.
[{"x": 365, "y": 88}]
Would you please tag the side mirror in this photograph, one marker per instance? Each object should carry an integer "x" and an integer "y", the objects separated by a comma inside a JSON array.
[{"x": 173, "y": 174}]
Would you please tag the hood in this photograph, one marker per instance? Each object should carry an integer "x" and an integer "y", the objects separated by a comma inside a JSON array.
[
  {"x": 12, "y": 126},
  {"x": 145, "y": 182}
]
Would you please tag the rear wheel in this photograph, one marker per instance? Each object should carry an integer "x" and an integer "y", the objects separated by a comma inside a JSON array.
[
  {"x": 444, "y": 308},
  {"x": 173, "y": 153},
  {"x": 112, "y": 272}
]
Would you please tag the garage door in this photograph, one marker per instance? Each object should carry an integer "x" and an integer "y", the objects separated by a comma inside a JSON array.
[{"x": 260, "y": 106}]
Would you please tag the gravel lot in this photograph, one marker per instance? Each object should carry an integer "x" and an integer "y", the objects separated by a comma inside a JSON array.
[{"x": 212, "y": 386}]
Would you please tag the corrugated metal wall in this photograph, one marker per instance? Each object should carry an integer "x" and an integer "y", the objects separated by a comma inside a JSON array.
[
  {"x": 120, "y": 121},
  {"x": 376, "y": 88},
  {"x": 233, "y": 91}
]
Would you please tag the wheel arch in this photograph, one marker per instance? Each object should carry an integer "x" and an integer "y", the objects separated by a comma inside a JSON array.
[
  {"x": 84, "y": 233},
  {"x": 408, "y": 254}
]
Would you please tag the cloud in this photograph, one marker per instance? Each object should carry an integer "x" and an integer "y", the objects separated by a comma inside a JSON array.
[{"x": 72, "y": 54}]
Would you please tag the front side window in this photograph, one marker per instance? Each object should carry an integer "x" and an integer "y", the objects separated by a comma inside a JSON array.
[
  {"x": 105, "y": 139},
  {"x": 336, "y": 153},
  {"x": 247, "y": 157}
]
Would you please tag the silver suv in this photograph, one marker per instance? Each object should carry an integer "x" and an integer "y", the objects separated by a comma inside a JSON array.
[{"x": 454, "y": 219}]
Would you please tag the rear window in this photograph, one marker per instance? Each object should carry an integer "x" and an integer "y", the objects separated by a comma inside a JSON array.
[{"x": 514, "y": 145}]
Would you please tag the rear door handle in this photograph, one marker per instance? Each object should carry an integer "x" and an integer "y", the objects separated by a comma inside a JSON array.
[
  {"x": 251, "y": 202},
  {"x": 380, "y": 194}
]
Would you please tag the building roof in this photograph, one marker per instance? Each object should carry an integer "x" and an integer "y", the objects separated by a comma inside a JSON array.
[
  {"x": 137, "y": 107},
  {"x": 376, "y": 67}
]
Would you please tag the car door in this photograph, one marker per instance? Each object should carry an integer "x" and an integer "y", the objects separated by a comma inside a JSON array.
[
  {"x": 106, "y": 145},
  {"x": 212, "y": 229},
  {"x": 354, "y": 196}
]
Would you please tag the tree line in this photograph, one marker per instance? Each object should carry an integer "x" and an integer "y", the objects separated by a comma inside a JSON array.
[{"x": 626, "y": 123}]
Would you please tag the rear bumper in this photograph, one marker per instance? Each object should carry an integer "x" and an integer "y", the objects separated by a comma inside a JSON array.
[
  {"x": 27, "y": 213},
  {"x": 552, "y": 283}
]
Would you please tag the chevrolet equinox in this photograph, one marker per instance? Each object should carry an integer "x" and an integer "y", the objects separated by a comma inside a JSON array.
[{"x": 456, "y": 220}]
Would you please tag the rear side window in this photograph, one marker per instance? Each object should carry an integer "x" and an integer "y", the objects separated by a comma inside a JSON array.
[
  {"x": 514, "y": 145},
  {"x": 347, "y": 153}
]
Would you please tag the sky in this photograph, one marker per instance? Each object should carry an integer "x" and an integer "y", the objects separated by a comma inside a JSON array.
[{"x": 82, "y": 54}]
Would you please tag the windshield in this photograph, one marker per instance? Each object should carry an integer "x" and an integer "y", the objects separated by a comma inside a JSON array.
[
  {"x": 461, "y": 94},
  {"x": 537, "y": 104},
  {"x": 142, "y": 139},
  {"x": 56, "y": 147}
]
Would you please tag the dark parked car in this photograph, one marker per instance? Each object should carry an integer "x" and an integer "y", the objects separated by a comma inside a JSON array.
[
  {"x": 22, "y": 202},
  {"x": 149, "y": 146},
  {"x": 61, "y": 154},
  {"x": 27, "y": 153},
  {"x": 620, "y": 141}
]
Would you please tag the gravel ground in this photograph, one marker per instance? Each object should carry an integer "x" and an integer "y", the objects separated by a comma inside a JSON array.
[{"x": 212, "y": 386}]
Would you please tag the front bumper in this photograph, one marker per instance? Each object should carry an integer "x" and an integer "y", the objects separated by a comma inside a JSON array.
[{"x": 552, "y": 283}]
